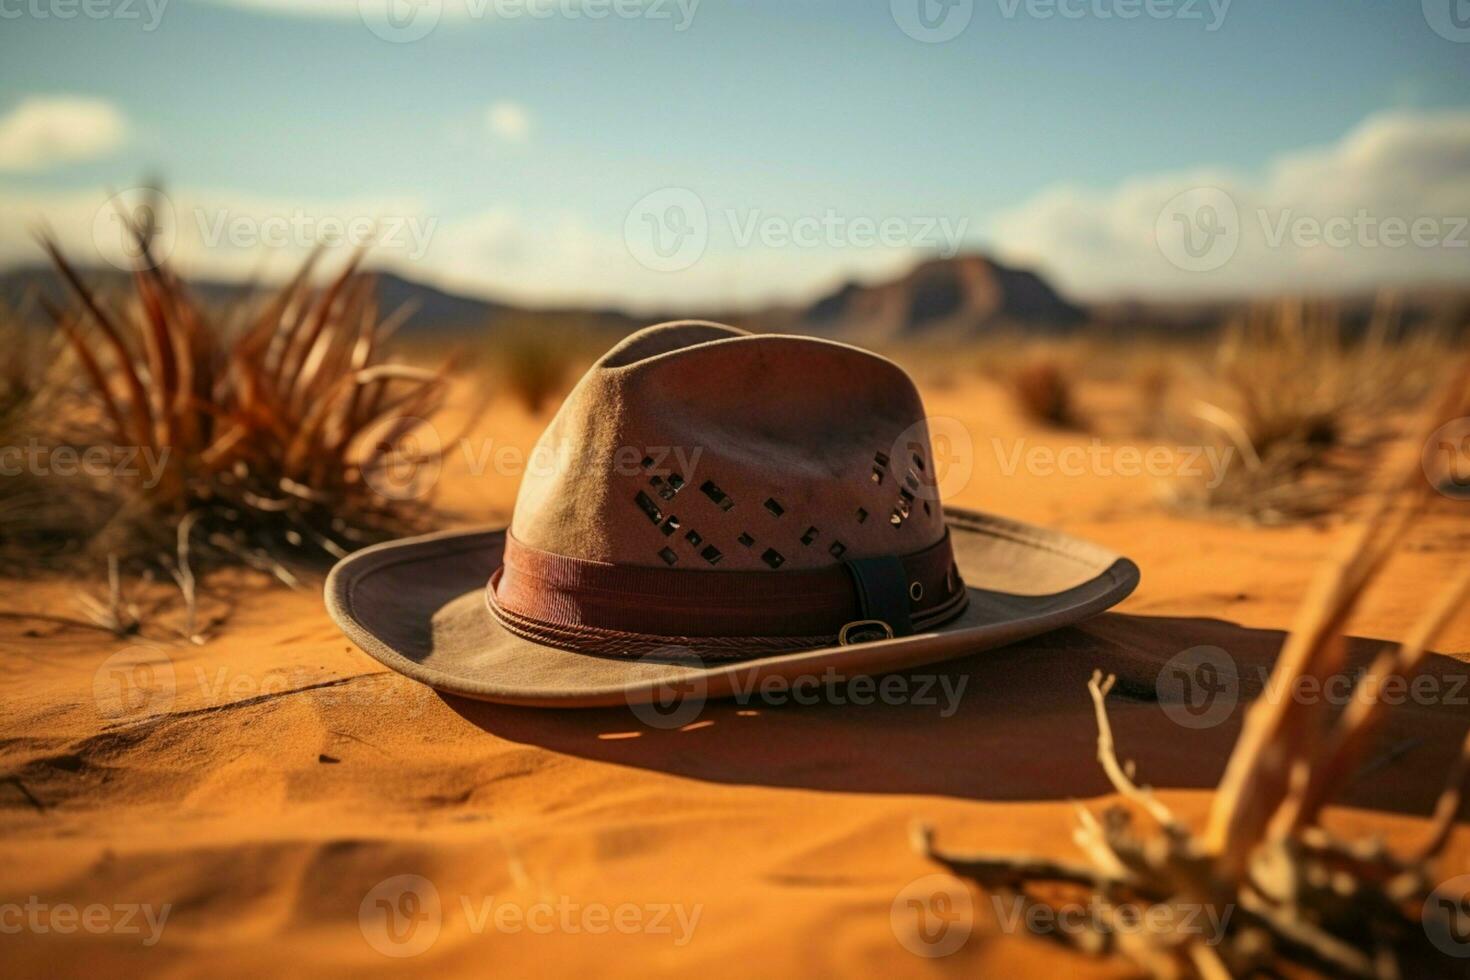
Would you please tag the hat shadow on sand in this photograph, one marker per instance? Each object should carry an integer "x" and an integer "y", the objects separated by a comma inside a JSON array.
[{"x": 1021, "y": 728}]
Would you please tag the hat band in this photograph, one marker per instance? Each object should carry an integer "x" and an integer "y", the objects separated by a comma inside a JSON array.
[{"x": 621, "y": 610}]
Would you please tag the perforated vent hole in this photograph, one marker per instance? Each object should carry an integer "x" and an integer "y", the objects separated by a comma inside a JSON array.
[
  {"x": 919, "y": 462},
  {"x": 721, "y": 499},
  {"x": 837, "y": 550},
  {"x": 862, "y": 515},
  {"x": 668, "y": 490},
  {"x": 647, "y": 463},
  {"x": 712, "y": 555},
  {"x": 773, "y": 558},
  {"x": 905, "y": 504},
  {"x": 645, "y": 503},
  {"x": 774, "y": 507},
  {"x": 693, "y": 538},
  {"x": 668, "y": 556},
  {"x": 880, "y": 465},
  {"x": 670, "y": 526},
  {"x": 746, "y": 539},
  {"x": 809, "y": 536}
]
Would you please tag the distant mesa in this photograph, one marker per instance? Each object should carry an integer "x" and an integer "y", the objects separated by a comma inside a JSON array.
[
  {"x": 940, "y": 299},
  {"x": 943, "y": 298},
  {"x": 946, "y": 301}
]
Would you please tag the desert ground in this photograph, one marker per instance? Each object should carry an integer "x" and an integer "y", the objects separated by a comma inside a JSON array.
[{"x": 266, "y": 793}]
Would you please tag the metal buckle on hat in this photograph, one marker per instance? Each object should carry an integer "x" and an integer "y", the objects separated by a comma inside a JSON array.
[{"x": 866, "y": 630}]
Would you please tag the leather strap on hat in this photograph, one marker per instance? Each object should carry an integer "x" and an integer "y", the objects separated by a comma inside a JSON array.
[
  {"x": 883, "y": 591},
  {"x": 622, "y": 610}
]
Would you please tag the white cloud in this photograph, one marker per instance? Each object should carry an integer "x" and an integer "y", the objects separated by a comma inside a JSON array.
[
  {"x": 217, "y": 234},
  {"x": 1094, "y": 243},
  {"x": 235, "y": 236},
  {"x": 509, "y": 121},
  {"x": 507, "y": 253},
  {"x": 560, "y": 258},
  {"x": 376, "y": 10},
  {"x": 1388, "y": 203},
  {"x": 43, "y": 131},
  {"x": 298, "y": 8}
]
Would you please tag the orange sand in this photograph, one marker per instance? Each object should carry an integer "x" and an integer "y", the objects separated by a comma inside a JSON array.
[{"x": 288, "y": 775}]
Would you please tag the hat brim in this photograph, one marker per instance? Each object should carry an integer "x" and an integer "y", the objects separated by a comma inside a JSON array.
[{"x": 418, "y": 606}]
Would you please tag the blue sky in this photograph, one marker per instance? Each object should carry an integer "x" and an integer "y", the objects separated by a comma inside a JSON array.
[{"x": 521, "y": 145}]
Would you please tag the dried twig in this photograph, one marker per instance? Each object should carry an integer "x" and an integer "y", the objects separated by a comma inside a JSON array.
[
  {"x": 1447, "y": 807},
  {"x": 1099, "y": 687},
  {"x": 1300, "y": 895},
  {"x": 114, "y": 613},
  {"x": 183, "y": 575}
]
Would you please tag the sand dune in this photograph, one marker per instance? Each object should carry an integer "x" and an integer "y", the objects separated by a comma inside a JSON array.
[{"x": 262, "y": 796}]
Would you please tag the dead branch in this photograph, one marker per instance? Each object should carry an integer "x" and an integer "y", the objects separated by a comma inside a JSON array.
[{"x": 1099, "y": 687}]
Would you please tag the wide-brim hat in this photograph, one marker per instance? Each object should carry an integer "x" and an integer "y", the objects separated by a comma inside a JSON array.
[{"x": 710, "y": 509}]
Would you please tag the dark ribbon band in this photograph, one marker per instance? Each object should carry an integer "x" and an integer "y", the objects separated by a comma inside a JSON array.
[{"x": 536, "y": 592}]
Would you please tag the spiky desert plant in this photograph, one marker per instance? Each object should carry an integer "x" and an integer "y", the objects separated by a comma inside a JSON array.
[
  {"x": 1277, "y": 885},
  {"x": 271, "y": 429}
]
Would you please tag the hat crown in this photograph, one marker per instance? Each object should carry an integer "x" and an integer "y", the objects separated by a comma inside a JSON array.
[{"x": 696, "y": 445}]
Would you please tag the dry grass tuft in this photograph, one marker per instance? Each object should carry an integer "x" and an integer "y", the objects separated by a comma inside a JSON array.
[
  {"x": 1044, "y": 391},
  {"x": 535, "y": 359},
  {"x": 38, "y": 517},
  {"x": 1276, "y": 888},
  {"x": 20, "y": 375},
  {"x": 264, "y": 432},
  {"x": 112, "y": 612},
  {"x": 1303, "y": 411},
  {"x": 20, "y": 387}
]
